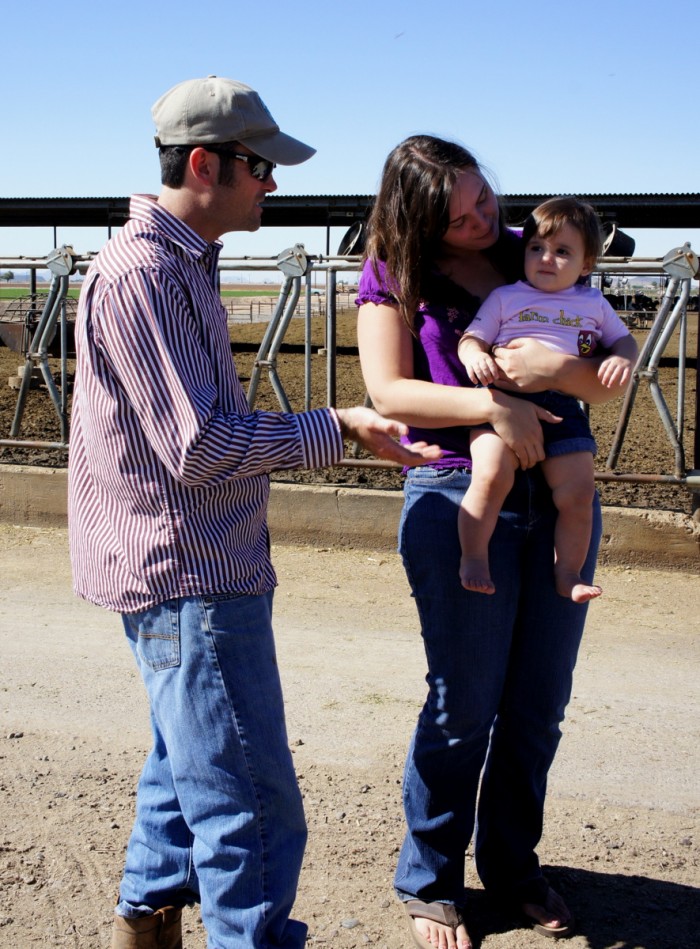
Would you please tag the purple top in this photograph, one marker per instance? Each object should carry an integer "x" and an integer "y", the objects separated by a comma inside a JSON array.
[
  {"x": 439, "y": 327},
  {"x": 439, "y": 324}
]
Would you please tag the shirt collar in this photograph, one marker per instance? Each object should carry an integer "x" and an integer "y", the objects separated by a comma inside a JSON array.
[{"x": 145, "y": 209}]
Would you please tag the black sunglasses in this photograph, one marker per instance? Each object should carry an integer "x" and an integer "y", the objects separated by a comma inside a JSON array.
[{"x": 260, "y": 168}]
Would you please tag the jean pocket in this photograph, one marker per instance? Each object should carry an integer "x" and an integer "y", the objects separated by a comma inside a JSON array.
[
  {"x": 210, "y": 599},
  {"x": 157, "y": 635}
]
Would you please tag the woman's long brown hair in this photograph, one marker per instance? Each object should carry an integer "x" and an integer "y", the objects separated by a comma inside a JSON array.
[{"x": 411, "y": 213}]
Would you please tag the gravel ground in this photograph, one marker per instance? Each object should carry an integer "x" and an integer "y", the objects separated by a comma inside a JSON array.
[{"x": 621, "y": 836}]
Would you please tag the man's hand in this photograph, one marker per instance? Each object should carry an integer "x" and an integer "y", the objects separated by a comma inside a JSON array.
[{"x": 377, "y": 435}]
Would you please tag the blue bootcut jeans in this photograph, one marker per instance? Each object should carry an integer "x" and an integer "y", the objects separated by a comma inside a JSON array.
[
  {"x": 499, "y": 677},
  {"x": 219, "y": 818}
]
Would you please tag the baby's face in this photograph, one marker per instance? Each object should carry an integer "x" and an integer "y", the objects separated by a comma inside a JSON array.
[{"x": 556, "y": 262}]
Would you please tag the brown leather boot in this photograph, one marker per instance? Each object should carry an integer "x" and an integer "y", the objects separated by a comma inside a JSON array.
[{"x": 162, "y": 930}]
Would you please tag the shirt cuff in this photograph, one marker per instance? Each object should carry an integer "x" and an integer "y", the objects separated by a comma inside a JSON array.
[{"x": 321, "y": 439}]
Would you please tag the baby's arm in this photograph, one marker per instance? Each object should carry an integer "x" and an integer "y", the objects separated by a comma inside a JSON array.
[
  {"x": 475, "y": 356},
  {"x": 615, "y": 370}
]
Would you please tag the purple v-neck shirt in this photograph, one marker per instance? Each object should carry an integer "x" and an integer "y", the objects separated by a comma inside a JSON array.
[{"x": 439, "y": 326}]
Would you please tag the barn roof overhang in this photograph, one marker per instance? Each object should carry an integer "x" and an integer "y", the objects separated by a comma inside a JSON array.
[{"x": 626, "y": 210}]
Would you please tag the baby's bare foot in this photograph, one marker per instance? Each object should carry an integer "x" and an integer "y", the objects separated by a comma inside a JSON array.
[
  {"x": 475, "y": 575},
  {"x": 570, "y": 585}
]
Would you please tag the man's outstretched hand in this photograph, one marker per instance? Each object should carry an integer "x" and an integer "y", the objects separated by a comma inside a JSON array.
[{"x": 378, "y": 434}]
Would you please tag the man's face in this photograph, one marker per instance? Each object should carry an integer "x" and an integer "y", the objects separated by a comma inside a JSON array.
[{"x": 238, "y": 204}]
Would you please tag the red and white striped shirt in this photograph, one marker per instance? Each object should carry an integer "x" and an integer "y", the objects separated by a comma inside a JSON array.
[{"x": 168, "y": 468}]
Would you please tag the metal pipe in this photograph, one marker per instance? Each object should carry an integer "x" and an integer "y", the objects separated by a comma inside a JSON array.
[
  {"x": 64, "y": 366},
  {"x": 643, "y": 361},
  {"x": 331, "y": 326},
  {"x": 667, "y": 422},
  {"x": 307, "y": 343},
  {"x": 29, "y": 362},
  {"x": 267, "y": 337},
  {"x": 22, "y": 443},
  {"x": 41, "y": 352},
  {"x": 696, "y": 442},
  {"x": 682, "y": 346},
  {"x": 651, "y": 266},
  {"x": 692, "y": 479},
  {"x": 276, "y": 344},
  {"x": 666, "y": 330}
]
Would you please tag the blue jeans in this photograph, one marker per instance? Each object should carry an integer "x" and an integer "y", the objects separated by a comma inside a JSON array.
[
  {"x": 499, "y": 678},
  {"x": 219, "y": 817}
]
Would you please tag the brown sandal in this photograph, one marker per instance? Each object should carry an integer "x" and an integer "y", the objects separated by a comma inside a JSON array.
[
  {"x": 538, "y": 892},
  {"x": 445, "y": 913}
]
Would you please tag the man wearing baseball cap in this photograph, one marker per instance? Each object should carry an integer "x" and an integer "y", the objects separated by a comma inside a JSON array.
[{"x": 168, "y": 491}]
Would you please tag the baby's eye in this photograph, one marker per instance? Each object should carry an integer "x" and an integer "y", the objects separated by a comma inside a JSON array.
[{"x": 562, "y": 251}]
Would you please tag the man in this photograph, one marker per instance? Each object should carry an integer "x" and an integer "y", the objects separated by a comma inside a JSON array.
[{"x": 168, "y": 495}]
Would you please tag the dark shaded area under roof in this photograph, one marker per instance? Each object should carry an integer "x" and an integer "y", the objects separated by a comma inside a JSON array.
[{"x": 626, "y": 210}]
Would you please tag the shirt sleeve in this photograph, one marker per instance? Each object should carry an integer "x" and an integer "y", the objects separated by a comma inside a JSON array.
[
  {"x": 374, "y": 285},
  {"x": 163, "y": 390},
  {"x": 486, "y": 324},
  {"x": 612, "y": 327}
]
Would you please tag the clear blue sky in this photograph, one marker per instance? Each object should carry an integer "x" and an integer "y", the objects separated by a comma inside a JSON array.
[{"x": 596, "y": 97}]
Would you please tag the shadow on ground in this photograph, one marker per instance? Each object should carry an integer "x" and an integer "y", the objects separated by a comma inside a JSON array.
[{"x": 613, "y": 910}]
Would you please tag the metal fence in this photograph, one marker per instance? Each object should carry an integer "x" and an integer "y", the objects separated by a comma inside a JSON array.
[{"x": 298, "y": 295}]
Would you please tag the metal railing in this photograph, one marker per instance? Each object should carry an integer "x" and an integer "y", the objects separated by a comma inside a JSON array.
[{"x": 678, "y": 267}]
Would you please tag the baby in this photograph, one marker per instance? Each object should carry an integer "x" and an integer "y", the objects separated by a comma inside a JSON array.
[{"x": 562, "y": 241}]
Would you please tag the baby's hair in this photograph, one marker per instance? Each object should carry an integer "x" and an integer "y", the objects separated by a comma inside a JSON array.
[{"x": 549, "y": 218}]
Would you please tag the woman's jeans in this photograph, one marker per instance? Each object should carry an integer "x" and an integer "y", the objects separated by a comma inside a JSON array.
[
  {"x": 219, "y": 817},
  {"x": 499, "y": 677}
]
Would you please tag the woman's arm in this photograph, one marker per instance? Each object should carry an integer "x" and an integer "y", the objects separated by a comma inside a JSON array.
[
  {"x": 529, "y": 366},
  {"x": 386, "y": 355}
]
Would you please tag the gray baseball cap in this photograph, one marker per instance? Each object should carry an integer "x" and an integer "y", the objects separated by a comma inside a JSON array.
[{"x": 212, "y": 111}]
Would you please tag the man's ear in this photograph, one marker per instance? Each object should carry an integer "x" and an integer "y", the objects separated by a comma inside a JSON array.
[{"x": 204, "y": 166}]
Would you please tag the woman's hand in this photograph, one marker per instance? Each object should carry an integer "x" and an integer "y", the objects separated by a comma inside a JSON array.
[
  {"x": 517, "y": 422},
  {"x": 527, "y": 365}
]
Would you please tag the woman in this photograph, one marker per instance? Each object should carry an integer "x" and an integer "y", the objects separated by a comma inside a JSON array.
[{"x": 499, "y": 667}]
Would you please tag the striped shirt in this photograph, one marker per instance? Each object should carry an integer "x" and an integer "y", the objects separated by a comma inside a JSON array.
[{"x": 169, "y": 468}]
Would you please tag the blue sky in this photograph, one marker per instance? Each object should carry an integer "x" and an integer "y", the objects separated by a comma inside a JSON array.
[{"x": 597, "y": 97}]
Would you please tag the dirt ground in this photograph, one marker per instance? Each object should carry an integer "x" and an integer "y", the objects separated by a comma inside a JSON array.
[
  {"x": 621, "y": 836},
  {"x": 646, "y": 448}
]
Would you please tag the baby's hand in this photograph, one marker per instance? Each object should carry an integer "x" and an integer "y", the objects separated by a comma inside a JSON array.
[
  {"x": 481, "y": 368},
  {"x": 614, "y": 372}
]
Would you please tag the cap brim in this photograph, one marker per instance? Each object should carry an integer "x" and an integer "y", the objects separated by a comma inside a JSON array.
[{"x": 279, "y": 148}]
